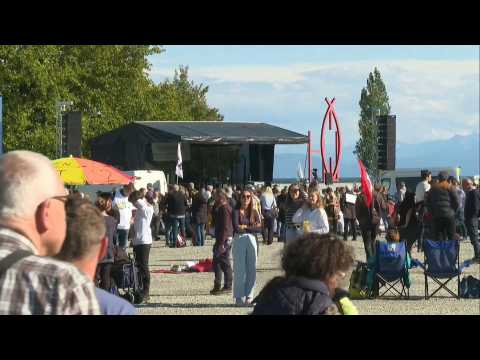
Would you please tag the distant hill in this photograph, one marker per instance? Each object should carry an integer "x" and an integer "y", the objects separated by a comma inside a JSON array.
[{"x": 457, "y": 151}]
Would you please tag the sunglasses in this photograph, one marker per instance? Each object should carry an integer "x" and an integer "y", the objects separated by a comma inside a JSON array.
[{"x": 246, "y": 196}]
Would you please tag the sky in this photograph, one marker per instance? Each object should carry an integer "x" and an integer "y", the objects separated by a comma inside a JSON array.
[{"x": 433, "y": 90}]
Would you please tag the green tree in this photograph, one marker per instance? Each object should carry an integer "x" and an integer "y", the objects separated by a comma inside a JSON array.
[
  {"x": 109, "y": 84},
  {"x": 373, "y": 101}
]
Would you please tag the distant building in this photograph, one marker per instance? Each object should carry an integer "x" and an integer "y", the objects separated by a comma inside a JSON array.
[{"x": 214, "y": 152}]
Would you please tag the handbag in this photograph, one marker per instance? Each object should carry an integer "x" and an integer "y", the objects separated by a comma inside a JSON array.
[
  {"x": 181, "y": 241},
  {"x": 358, "y": 288},
  {"x": 274, "y": 212}
]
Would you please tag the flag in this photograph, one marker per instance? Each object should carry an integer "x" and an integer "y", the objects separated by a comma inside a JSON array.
[
  {"x": 299, "y": 171},
  {"x": 179, "y": 169},
  {"x": 367, "y": 187}
]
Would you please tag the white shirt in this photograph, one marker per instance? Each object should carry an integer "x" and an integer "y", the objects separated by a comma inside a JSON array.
[
  {"x": 422, "y": 188},
  {"x": 317, "y": 217},
  {"x": 267, "y": 201},
  {"x": 125, "y": 208},
  {"x": 143, "y": 218}
]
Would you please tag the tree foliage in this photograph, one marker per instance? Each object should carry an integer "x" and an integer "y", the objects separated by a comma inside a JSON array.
[
  {"x": 373, "y": 101},
  {"x": 109, "y": 84}
]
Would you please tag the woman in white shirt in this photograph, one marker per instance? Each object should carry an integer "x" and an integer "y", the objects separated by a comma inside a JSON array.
[
  {"x": 143, "y": 238},
  {"x": 312, "y": 215},
  {"x": 268, "y": 203}
]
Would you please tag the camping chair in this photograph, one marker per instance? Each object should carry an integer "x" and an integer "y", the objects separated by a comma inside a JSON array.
[
  {"x": 391, "y": 269},
  {"x": 442, "y": 264}
]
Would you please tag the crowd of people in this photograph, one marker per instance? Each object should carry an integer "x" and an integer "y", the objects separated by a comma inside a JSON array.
[{"x": 67, "y": 245}]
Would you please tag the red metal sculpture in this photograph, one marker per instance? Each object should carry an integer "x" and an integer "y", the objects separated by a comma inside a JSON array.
[{"x": 334, "y": 171}]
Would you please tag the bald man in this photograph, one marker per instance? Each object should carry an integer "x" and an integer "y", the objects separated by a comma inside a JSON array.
[{"x": 32, "y": 229}]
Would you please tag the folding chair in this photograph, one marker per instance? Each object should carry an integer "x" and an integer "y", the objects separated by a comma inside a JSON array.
[
  {"x": 391, "y": 270},
  {"x": 442, "y": 264}
]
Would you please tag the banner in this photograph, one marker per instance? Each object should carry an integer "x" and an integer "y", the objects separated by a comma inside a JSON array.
[
  {"x": 367, "y": 187},
  {"x": 179, "y": 169}
]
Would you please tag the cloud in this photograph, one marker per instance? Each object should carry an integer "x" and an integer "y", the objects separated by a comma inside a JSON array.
[{"x": 433, "y": 99}]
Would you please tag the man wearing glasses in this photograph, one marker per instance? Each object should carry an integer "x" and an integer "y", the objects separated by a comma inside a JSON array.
[{"x": 32, "y": 229}]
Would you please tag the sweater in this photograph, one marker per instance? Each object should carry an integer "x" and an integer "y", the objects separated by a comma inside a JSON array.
[{"x": 317, "y": 217}]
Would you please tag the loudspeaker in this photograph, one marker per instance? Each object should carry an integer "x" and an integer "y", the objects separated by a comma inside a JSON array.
[
  {"x": 72, "y": 134},
  {"x": 386, "y": 142}
]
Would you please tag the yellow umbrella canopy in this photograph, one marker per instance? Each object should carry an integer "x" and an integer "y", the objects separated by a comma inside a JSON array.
[{"x": 77, "y": 171}]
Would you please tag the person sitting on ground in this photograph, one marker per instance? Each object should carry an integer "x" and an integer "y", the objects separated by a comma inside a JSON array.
[
  {"x": 86, "y": 243},
  {"x": 32, "y": 229},
  {"x": 314, "y": 265},
  {"x": 312, "y": 215}
]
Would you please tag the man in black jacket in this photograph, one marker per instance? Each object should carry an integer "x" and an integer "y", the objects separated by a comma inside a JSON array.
[
  {"x": 472, "y": 210},
  {"x": 442, "y": 202},
  {"x": 349, "y": 218},
  {"x": 176, "y": 207}
]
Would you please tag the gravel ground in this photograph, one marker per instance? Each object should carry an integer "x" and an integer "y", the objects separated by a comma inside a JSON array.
[{"x": 188, "y": 293}]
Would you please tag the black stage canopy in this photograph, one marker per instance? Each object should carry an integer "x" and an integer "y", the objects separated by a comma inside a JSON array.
[{"x": 245, "y": 149}]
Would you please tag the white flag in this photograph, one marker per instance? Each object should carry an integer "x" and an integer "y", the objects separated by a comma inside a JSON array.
[
  {"x": 299, "y": 171},
  {"x": 179, "y": 169}
]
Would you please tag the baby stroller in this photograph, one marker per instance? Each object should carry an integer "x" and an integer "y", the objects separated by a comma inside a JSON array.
[{"x": 126, "y": 279}]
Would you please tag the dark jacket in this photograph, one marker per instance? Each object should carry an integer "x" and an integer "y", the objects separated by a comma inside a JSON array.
[
  {"x": 111, "y": 225},
  {"x": 472, "y": 203},
  {"x": 199, "y": 210},
  {"x": 296, "y": 296},
  {"x": 348, "y": 209},
  {"x": 442, "y": 200},
  {"x": 176, "y": 204},
  {"x": 241, "y": 220},
  {"x": 367, "y": 217},
  {"x": 223, "y": 224}
]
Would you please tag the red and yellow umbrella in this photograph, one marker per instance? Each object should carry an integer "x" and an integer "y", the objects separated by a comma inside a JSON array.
[{"x": 77, "y": 171}]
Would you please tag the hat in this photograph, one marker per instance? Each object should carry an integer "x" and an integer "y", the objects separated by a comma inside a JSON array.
[{"x": 149, "y": 186}]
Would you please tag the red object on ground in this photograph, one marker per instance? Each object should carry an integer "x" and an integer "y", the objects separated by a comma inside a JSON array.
[
  {"x": 367, "y": 187},
  {"x": 203, "y": 266}
]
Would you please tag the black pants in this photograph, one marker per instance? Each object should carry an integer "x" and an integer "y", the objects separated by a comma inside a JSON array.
[
  {"x": 349, "y": 226},
  {"x": 104, "y": 274},
  {"x": 472, "y": 229},
  {"x": 443, "y": 228},
  {"x": 369, "y": 236},
  {"x": 142, "y": 253},
  {"x": 267, "y": 231},
  {"x": 221, "y": 265},
  {"x": 155, "y": 226}
]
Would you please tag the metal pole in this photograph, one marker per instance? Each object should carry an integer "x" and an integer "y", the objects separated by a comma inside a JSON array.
[
  {"x": 309, "y": 150},
  {"x": 1, "y": 126}
]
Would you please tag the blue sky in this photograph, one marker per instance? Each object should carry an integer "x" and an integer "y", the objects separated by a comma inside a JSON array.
[{"x": 433, "y": 90}]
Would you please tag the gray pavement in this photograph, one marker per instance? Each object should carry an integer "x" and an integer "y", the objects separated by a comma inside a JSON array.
[{"x": 188, "y": 293}]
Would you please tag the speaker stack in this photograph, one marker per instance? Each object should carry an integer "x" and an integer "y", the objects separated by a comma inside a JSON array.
[
  {"x": 386, "y": 142},
  {"x": 72, "y": 134}
]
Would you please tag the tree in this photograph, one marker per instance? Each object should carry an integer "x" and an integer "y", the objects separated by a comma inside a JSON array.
[
  {"x": 109, "y": 84},
  {"x": 373, "y": 101}
]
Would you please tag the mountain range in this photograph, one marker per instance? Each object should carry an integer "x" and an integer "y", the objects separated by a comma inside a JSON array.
[{"x": 459, "y": 150}]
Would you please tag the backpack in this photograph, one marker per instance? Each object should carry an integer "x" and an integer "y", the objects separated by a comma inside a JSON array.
[
  {"x": 470, "y": 288},
  {"x": 358, "y": 288}
]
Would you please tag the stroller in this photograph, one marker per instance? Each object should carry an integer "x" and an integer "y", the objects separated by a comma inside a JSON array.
[{"x": 126, "y": 279}]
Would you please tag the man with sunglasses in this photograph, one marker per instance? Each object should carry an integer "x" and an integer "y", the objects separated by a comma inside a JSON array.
[{"x": 32, "y": 230}]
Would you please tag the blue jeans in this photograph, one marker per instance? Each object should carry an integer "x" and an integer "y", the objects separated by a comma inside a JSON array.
[
  {"x": 291, "y": 234},
  {"x": 244, "y": 265},
  {"x": 122, "y": 236},
  {"x": 200, "y": 234},
  {"x": 174, "y": 226}
]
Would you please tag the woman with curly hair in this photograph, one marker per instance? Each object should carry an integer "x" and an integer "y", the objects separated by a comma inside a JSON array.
[{"x": 314, "y": 265}]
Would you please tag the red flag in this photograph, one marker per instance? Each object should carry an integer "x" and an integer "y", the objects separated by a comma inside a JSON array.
[{"x": 367, "y": 187}]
